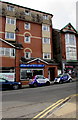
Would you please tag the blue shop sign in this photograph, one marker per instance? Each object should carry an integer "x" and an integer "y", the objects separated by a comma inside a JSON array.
[{"x": 33, "y": 65}]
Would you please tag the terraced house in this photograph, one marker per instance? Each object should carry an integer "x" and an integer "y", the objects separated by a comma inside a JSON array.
[
  {"x": 65, "y": 41},
  {"x": 28, "y": 33}
]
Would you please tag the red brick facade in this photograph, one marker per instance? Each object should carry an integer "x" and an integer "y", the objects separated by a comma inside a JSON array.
[{"x": 36, "y": 46}]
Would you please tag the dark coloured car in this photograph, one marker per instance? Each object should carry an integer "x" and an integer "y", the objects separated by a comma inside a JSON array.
[
  {"x": 63, "y": 78},
  {"x": 38, "y": 80},
  {"x": 5, "y": 84}
]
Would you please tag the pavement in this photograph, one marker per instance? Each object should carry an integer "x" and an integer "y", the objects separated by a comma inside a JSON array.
[{"x": 67, "y": 110}]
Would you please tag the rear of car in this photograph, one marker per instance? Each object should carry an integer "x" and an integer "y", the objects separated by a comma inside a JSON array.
[{"x": 38, "y": 80}]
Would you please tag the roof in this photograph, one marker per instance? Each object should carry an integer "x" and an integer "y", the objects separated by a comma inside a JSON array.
[
  {"x": 48, "y": 62},
  {"x": 18, "y": 46},
  {"x": 69, "y": 28},
  {"x": 7, "y": 42},
  {"x": 26, "y": 8}
]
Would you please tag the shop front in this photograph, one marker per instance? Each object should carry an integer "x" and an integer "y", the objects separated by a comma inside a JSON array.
[
  {"x": 28, "y": 71},
  {"x": 72, "y": 68},
  {"x": 37, "y": 67}
]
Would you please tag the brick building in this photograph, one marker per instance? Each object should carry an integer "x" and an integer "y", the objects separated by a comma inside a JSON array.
[
  {"x": 30, "y": 31},
  {"x": 65, "y": 44}
]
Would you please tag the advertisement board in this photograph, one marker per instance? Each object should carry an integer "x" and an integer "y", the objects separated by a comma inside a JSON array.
[{"x": 8, "y": 76}]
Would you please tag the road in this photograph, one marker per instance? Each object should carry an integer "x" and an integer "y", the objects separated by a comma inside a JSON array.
[{"x": 28, "y": 102}]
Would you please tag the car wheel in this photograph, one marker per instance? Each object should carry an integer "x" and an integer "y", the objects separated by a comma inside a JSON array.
[
  {"x": 35, "y": 84},
  {"x": 47, "y": 83},
  {"x": 70, "y": 80},
  {"x": 15, "y": 87},
  {"x": 60, "y": 81}
]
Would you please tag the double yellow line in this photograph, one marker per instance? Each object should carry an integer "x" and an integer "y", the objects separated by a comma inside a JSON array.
[{"x": 52, "y": 107}]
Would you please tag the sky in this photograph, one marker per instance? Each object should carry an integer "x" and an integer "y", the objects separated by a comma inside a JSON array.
[{"x": 63, "y": 11}]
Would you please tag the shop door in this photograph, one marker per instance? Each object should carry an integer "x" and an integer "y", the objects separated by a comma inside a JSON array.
[{"x": 52, "y": 74}]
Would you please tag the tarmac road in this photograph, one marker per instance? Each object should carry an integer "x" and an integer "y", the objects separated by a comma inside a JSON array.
[{"x": 28, "y": 102}]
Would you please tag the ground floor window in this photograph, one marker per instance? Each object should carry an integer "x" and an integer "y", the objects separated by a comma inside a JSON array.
[{"x": 29, "y": 73}]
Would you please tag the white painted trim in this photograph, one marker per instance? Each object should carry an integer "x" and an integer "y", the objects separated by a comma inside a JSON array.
[
  {"x": 38, "y": 59},
  {"x": 7, "y": 42}
]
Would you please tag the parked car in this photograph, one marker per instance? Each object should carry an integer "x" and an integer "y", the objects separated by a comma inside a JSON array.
[
  {"x": 5, "y": 84},
  {"x": 63, "y": 78},
  {"x": 38, "y": 80}
]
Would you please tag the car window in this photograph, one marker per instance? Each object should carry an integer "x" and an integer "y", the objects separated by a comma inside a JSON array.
[
  {"x": 41, "y": 77},
  {"x": 2, "y": 80}
]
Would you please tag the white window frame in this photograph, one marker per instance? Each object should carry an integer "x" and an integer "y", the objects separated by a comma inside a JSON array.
[
  {"x": 45, "y": 17},
  {"x": 10, "y": 8},
  {"x": 27, "y": 26},
  {"x": 10, "y": 51},
  {"x": 47, "y": 54},
  {"x": 45, "y": 27},
  {"x": 7, "y": 51},
  {"x": 29, "y": 39},
  {"x": 68, "y": 39},
  {"x": 1, "y": 51},
  {"x": 71, "y": 53},
  {"x": 29, "y": 55},
  {"x": 11, "y": 21},
  {"x": 46, "y": 40},
  {"x": 8, "y": 35}
]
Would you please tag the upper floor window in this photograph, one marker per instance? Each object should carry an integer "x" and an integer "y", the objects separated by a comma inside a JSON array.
[
  {"x": 70, "y": 39},
  {"x": 46, "y": 40},
  {"x": 27, "y": 55},
  {"x": 10, "y": 35},
  {"x": 46, "y": 56},
  {"x": 27, "y": 26},
  {"x": 71, "y": 53},
  {"x": 45, "y": 17},
  {"x": 10, "y": 21},
  {"x": 45, "y": 28},
  {"x": 7, "y": 51},
  {"x": 10, "y": 8},
  {"x": 27, "y": 39},
  {"x": 27, "y": 12}
]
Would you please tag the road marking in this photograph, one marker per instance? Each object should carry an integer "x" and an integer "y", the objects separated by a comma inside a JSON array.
[
  {"x": 47, "y": 109},
  {"x": 52, "y": 107},
  {"x": 73, "y": 95}
]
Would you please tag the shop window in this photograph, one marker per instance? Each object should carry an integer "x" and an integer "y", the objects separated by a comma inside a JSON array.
[{"x": 25, "y": 74}]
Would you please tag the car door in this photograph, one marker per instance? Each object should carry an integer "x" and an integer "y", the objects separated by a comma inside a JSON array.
[
  {"x": 65, "y": 78},
  {"x": 0, "y": 84},
  {"x": 5, "y": 84}
]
